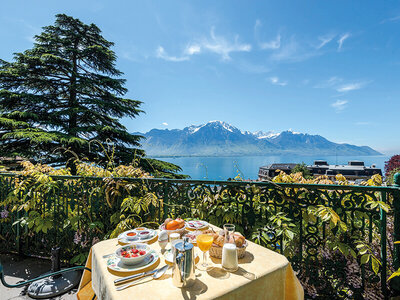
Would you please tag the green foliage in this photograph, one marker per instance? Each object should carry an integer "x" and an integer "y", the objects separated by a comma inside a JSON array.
[{"x": 302, "y": 168}]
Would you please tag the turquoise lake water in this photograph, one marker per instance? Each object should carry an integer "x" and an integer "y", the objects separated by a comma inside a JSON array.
[{"x": 222, "y": 168}]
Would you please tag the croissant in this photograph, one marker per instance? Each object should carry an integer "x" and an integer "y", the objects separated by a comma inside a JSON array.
[
  {"x": 219, "y": 240},
  {"x": 237, "y": 239}
]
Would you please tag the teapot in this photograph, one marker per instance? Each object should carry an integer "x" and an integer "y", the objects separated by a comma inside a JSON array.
[{"x": 183, "y": 274}]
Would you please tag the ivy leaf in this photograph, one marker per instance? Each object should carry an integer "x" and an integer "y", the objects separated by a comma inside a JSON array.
[
  {"x": 365, "y": 259},
  {"x": 394, "y": 274},
  {"x": 375, "y": 266}
]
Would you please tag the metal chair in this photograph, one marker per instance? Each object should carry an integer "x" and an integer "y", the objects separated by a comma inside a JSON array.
[{"x": 52, "y": 284}]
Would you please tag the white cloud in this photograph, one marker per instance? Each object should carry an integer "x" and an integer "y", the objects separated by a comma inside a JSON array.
[
  {"x": 341, "y": 40},
  {"x": 216, "y": 44},
  {"x": 193, "y": 49},
  {"x": 161, "y": 53},
  {"x": 274, "y": 44},
  {"x": 222, "y": 46},
  {"x": 275, "y": 80},
  {"x": 164, "y": 123},
  {"x": 350, "y": 87},
  {"x": 324, "y": 40},
  {"x": 331, "y": 82},
  {"x": 339, "y": 105},
  {"x": 393, "y": 19}
]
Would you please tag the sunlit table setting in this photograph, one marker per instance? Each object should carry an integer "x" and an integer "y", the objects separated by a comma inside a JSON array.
[{"x": 261, "y": 273}]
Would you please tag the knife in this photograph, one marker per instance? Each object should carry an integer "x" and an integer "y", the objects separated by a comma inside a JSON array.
[{"x": 132, "y": 277}]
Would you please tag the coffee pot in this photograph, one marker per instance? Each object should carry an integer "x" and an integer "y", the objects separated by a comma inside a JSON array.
[{"x": 183, "y": 274}]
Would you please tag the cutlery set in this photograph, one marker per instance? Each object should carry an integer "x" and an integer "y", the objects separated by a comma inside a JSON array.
[{"x": 155, "y": 274}]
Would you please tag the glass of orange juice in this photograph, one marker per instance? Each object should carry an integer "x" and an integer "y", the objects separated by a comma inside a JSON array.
[{"x": 204, "y": 242}]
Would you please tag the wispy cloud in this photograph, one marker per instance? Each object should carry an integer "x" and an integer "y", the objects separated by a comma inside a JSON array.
[
  {"x": 324, "y": 40},
  {"x": 392, "y": 19},
  {"x": 214, "y": 43},
  {"x": 220, "y": 45},
  {"x": 275, "y": 80},
  {"x": 164, "y": 123},
  {"x": 161, "y": 53},
  {"x": 293, "y": 51},
  {"x": 331, "y": 82},
  {"x": 341, "y": 40},
  {"x": 339, "y": 105},
  {"x": 350, "y": 86},
  {"x": 273, "y": 44},
  {"x": 192, "y": 49}
]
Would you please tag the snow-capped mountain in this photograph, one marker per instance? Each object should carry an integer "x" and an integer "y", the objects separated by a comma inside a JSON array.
[{"x": 217, "y": 138}]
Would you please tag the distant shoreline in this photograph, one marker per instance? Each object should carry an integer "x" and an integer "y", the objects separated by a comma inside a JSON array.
[{"x": 269, "y": 154}]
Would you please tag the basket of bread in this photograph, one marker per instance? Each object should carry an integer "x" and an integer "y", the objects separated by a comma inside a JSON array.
[{"x": 219, "y": 239}]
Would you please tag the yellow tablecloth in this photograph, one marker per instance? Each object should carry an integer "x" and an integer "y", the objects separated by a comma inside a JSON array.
[{"x": 262, "y": 274}]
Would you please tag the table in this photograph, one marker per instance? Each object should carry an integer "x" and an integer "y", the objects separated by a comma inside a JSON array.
[{"x": 262, "y": 274}]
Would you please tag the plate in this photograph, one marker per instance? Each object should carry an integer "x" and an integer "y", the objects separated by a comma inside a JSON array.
[
  {"x": 149, "y": 263},
  {"x": 123, "y": 240},
  {"x": 169, "y": 257},
  {"x": 196, "y": 225}
]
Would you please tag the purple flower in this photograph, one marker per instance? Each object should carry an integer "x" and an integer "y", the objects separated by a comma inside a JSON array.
[
  {"x": 95, "y": 240},
  {"x": 4, "y": 213},
  {"x": 77, "y": 237}
]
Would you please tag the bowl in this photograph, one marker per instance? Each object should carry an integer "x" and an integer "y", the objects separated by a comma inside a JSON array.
[
  {"x": 131, "y": 235},
  {"x": 181, "y": 231},
  {"x": 144, "y": 234},
  {"x": 132, "y": 248}
]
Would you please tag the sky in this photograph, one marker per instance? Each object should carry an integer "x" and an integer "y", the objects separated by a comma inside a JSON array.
[{"x": 319, "y": 67}]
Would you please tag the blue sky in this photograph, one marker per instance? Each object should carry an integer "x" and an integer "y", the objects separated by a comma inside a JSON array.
[{"x": 321, "y": 67}]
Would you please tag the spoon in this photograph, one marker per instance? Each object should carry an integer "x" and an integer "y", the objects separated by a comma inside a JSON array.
[{"x": 156, "y": 275}]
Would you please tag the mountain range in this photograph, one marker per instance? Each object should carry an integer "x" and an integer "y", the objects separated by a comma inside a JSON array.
[{"x": 217, "y": 138}]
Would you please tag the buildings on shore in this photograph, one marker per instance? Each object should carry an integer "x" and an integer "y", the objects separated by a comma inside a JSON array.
[{"x": 353, "y": 170}]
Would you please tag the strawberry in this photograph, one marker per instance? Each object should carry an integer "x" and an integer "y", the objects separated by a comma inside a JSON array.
[
  {"x": 135, "y": 251},
  {"x": 142, "y": 252},
  {"x": 135, "y": 255}
]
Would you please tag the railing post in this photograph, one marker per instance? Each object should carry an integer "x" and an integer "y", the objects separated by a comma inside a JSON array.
[
  {"x": 395, "y": 282},
  {"x": 165, "y": 201}
]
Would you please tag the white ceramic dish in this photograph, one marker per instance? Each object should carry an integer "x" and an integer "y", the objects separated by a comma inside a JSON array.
[
  {"x": 122, "y": 239},
  {"x": 133, "y": 260},
  {"x": 180, "y": 230},
  {"x": 196, "y": 225},
  {"x": 149, "y": 263}
]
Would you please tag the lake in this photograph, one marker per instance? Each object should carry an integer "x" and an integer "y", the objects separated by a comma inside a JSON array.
[{"x": 222, "y": 168}]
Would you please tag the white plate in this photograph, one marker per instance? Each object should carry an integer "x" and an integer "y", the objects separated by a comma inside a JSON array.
[
  {"x": 196, "y": 225},
  {"x": 115, "y": 264},
  {"x": 123, "y": 240}
]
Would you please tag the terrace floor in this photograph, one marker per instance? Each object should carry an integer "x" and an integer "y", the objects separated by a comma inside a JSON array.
[{"x": 18, "y": 268}]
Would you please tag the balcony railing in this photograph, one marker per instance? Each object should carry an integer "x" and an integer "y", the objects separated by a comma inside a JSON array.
[{"x": 337, "y": 237}]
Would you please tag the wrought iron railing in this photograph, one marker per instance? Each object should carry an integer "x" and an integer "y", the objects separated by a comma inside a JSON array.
[{"x": 274, "y": 215}]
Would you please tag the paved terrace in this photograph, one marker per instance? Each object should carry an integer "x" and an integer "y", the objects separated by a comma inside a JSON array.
[{"x": 19, "y": 268}]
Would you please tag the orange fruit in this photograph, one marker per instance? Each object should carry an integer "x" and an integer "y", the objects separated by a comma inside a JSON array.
[{"x": 172, "y": 225}]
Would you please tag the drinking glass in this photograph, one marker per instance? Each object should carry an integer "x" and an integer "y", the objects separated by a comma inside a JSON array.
[
  {"x": 229, "y": 230},
  {"x": 204, "y": 242},
  {"x": 229, "y": 250}
]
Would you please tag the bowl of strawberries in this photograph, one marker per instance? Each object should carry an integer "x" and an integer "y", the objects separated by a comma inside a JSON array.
[{"x": 133, "y": 253}]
